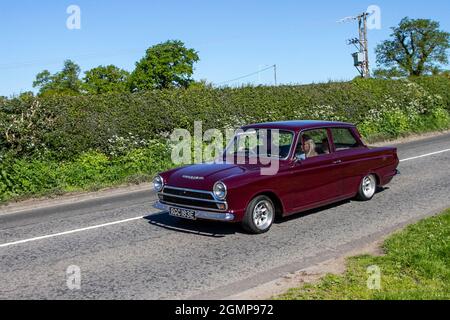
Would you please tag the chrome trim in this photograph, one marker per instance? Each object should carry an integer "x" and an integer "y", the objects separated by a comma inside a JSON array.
[
  {"x": 162, "y": 181},
  {"x": 205, "y": 215},
  {"x": 226, "y": 191},
  {"x": 194, "y": 207},
  {"x": 195, "y": 199},
  {"x": 190, "y": 198},
  {"x": 191, "y": 190}
]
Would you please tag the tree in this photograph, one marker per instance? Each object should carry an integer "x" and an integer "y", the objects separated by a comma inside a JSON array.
[
  {"x": 106, "y": 79},
  {"x": 202, "y": 84},
  {"x": 417, "y": 47},
  {"x": 165, "y": 65},
  {"x": 3, "y": 101},
  {"x": 26, "y": 96},
  {"x": 65, "y": 82}
]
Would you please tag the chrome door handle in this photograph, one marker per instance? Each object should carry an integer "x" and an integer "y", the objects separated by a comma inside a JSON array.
[{"x": 337, "y": 162}]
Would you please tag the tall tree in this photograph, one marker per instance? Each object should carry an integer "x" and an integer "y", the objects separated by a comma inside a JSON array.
[
  {"x": 417, "y": 47},
  {"x": 166, "y": 65},
  {"x": 65, "y": 82},
  {"x": 106, "y": 79}
]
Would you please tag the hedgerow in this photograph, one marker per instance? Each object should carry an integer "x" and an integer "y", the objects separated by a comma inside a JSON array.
[{"x": 67, "y": 143}]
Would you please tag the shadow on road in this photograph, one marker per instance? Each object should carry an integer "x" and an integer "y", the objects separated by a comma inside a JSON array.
[
  {"x": 310, "y": 212},
  {"x": 198, "y": 227},
  {"x": 222, "y": 229}
]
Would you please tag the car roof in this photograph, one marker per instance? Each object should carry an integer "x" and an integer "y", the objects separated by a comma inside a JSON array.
[{"x": 297, "y": 125}]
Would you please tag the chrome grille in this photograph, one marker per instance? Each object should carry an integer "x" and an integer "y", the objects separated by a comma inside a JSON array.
[{"x": 192, "y": 199}]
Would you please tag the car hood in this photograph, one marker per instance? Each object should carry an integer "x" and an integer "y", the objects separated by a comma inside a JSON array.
[{"x": 204, "y": 176}]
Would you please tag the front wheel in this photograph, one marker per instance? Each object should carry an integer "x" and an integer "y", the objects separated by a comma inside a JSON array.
[
  {"x": 259, "y": 216},
  {"x": 367, "y": 188}
]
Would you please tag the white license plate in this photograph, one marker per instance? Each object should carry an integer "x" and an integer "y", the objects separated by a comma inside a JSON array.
[{"x": 182, "y": 213}]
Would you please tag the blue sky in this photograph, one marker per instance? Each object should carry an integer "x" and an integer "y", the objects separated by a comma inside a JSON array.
[{"x": 233, "y": 37}]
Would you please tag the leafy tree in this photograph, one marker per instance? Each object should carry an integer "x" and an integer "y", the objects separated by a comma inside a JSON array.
[
  {"x": 106, "y": 79},
  {"x": 65, "y": 82},
  {"x": 165, "y": 65},
  {"x": 202, "y": 84},
  {"x": 3, "y": 101},
  {"x": 26, "y": 96},
  {"x": 418, "y": 47}
]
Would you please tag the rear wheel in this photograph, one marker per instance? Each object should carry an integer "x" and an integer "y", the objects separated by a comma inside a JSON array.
[
  {"x": 367, "y": 188},
  {"x": 259, "y": 216}
]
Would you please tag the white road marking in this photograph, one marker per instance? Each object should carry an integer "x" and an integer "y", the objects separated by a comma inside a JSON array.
[
  {"x": 69, "y": 232},
  {"x": 425, "y": 155},
  {"x": 142, "y": 217}
]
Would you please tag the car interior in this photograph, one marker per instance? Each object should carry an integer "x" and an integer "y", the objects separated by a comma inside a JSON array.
[{"x": 318, "y": 139}]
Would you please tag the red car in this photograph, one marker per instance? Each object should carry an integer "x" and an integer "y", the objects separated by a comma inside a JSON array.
[{"x": 317, "y": 163}]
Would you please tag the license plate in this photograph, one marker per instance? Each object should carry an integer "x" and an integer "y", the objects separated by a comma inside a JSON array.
[{"x": 182, "y": 213}]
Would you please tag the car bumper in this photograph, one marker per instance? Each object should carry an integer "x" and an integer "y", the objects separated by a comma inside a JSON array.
[{"x": 203, "y": 215}]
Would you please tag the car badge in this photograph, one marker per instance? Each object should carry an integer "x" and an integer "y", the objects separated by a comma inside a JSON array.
[{"x": 193, "y": 178}]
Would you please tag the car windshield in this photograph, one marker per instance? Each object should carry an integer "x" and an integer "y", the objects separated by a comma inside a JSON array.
[{"x": 261, "y": 143}]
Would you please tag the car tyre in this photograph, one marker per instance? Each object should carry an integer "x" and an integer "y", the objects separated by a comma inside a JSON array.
[
  {"x": 259, "y": 215},
  {"x": 367, "y": 188}
]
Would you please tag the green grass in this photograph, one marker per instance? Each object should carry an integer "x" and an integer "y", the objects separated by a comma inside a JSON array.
[
  {"x": 25, "y": 178},
  {"x": 416, "y": 266}
]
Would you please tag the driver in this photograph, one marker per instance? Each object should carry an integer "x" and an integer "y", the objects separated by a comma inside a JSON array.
[{"x": 307, "y": 149}]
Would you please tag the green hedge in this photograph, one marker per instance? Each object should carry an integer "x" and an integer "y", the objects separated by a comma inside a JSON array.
[
  {"x": 66, "y": 127},
  {"x": 74, "y": 143},
  {"x": 89, "y": 171}
]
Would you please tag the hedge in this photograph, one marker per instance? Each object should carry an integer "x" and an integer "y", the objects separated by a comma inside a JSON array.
[
  {"x": 75, "y": 143},
  {"x": 68, "y": 126}
]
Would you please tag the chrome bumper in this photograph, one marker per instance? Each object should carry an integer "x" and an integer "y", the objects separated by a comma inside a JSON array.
[{"x": 204, "y": 215}]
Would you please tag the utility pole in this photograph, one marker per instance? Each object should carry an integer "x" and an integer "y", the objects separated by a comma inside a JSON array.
[
  {"x": 361, "y": 58},
  {"x": 275, "y": 74}
]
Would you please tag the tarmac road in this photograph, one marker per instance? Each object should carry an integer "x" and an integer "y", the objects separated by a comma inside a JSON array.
[{"x": 126, "y": 250}]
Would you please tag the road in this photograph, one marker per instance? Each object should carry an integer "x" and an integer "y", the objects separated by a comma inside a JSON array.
[{"x": 126, "y": 250}]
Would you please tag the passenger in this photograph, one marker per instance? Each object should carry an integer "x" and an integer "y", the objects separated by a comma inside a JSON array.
[{"x": 309, "y": 147}]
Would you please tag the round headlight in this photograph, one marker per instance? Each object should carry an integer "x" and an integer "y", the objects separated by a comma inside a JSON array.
[
  {"x": 158, "y": 183},
  {"x": 220, "y": 191}
]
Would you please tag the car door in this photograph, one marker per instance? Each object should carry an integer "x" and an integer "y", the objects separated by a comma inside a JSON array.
[
  {"x": 314, "y": 179},
  {"x": 349, "y": 159}
]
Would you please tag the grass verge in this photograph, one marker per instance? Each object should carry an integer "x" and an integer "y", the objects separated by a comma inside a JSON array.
[{"x": 416, "y": 266}]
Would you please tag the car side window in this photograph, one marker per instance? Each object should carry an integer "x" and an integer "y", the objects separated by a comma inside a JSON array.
[
  {"x": 313, "y": 143},
  {"x": 343, "y": 139}
]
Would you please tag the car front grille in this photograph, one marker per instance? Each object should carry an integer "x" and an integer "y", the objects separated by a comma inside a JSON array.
[
  {"x": 192, "y": 199},
  {"x": 188, "y": 193}
]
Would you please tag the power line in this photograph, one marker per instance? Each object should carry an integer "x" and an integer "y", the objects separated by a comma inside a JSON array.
[{"x": 274, "y": 67}]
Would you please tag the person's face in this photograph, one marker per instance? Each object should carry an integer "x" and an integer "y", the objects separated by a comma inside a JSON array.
[{"x": 307, "y": 146}]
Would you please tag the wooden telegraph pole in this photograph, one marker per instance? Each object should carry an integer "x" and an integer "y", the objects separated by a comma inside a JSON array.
[{"x": 361, "y": 58}]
